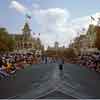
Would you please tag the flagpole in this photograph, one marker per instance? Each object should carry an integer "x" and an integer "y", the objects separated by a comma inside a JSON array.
[
  {"x": 91, "y": 21},
  {"x": 26, "y": 21},
  {"x": 56, "y": 47},
  {"x": 27, "y": 17}
]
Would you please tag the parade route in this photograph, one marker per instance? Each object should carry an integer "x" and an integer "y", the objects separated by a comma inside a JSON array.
[{"x": 46, "y": 81}]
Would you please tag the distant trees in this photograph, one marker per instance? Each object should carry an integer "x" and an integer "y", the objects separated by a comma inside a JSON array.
[
  {"x": 7, "y": 43},
  {"x": 67, "y": 53},
  {"x": 50, "y": 52}
]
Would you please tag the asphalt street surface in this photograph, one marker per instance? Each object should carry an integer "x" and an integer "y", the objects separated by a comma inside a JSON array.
[{"x": 45, "y": 81}]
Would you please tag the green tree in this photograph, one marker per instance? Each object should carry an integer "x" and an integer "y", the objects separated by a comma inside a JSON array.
[
  {"x": 11, "y": 43},
  {"x": 7, "y": 43},
  {"x": 69, "y": 53}
]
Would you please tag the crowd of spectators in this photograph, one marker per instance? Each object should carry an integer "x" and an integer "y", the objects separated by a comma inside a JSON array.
[
  {"x": 12, "y": 62},
  {"x": 90, "y": 60}
]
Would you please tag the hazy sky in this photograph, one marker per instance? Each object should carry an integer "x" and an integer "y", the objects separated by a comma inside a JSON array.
[{"x": 55, "y": 19}]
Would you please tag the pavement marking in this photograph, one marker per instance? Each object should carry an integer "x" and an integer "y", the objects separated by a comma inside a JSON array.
[
  {"x": 56, "y": 83},
  {"x": 12, "y": 97},
  {"x": 44, "y": 94}
]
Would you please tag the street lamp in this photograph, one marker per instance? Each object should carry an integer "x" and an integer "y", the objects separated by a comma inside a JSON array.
[{"x": 56, "y": 44}]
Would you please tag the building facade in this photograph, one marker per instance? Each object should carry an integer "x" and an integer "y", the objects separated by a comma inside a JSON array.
[
  {"x": 25, "y": 41},
  {"x": 86, "y": 42}
]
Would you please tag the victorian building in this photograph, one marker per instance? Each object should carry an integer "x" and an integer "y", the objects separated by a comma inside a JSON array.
[{"x": 25, "y": 41}]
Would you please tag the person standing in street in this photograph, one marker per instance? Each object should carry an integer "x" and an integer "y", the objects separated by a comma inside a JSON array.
[{"x": 61, "y": 62}]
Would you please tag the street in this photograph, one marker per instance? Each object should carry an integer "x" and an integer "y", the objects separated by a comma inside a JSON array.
[
  {"x": 47, "y": 82},
  {"x": 49, "y": 49}
]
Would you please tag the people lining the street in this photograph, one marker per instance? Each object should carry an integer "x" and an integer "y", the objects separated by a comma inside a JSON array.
[
  {"x": 9, "y": 63},
  {"x": 91, "y": 61}
]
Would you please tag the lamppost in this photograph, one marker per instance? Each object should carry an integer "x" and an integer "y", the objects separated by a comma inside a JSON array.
[{"x": 56, "y": 44}]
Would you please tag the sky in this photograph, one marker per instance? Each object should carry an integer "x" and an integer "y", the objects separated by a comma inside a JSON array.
[{"x": 55, "y": 20}]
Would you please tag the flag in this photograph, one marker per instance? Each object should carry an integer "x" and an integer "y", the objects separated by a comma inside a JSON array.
[
  {"x": 99, "y": 18},
  {"x": 83, "y": 29},
  {"x": 28, "y": 16},
  {"x": 39, "y": 34},
  {"x": 34, "y": 33},
  {"x": 92, "y": 18},
  {"x": 78, "y": 33}
]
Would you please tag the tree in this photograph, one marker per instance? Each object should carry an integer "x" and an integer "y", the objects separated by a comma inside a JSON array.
[
  {"x": 50, "y": 52},
  {"x": 11, "y": 43},
  {"x": 69, "y": 53},
  {"x": 7, "y": 43}
]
